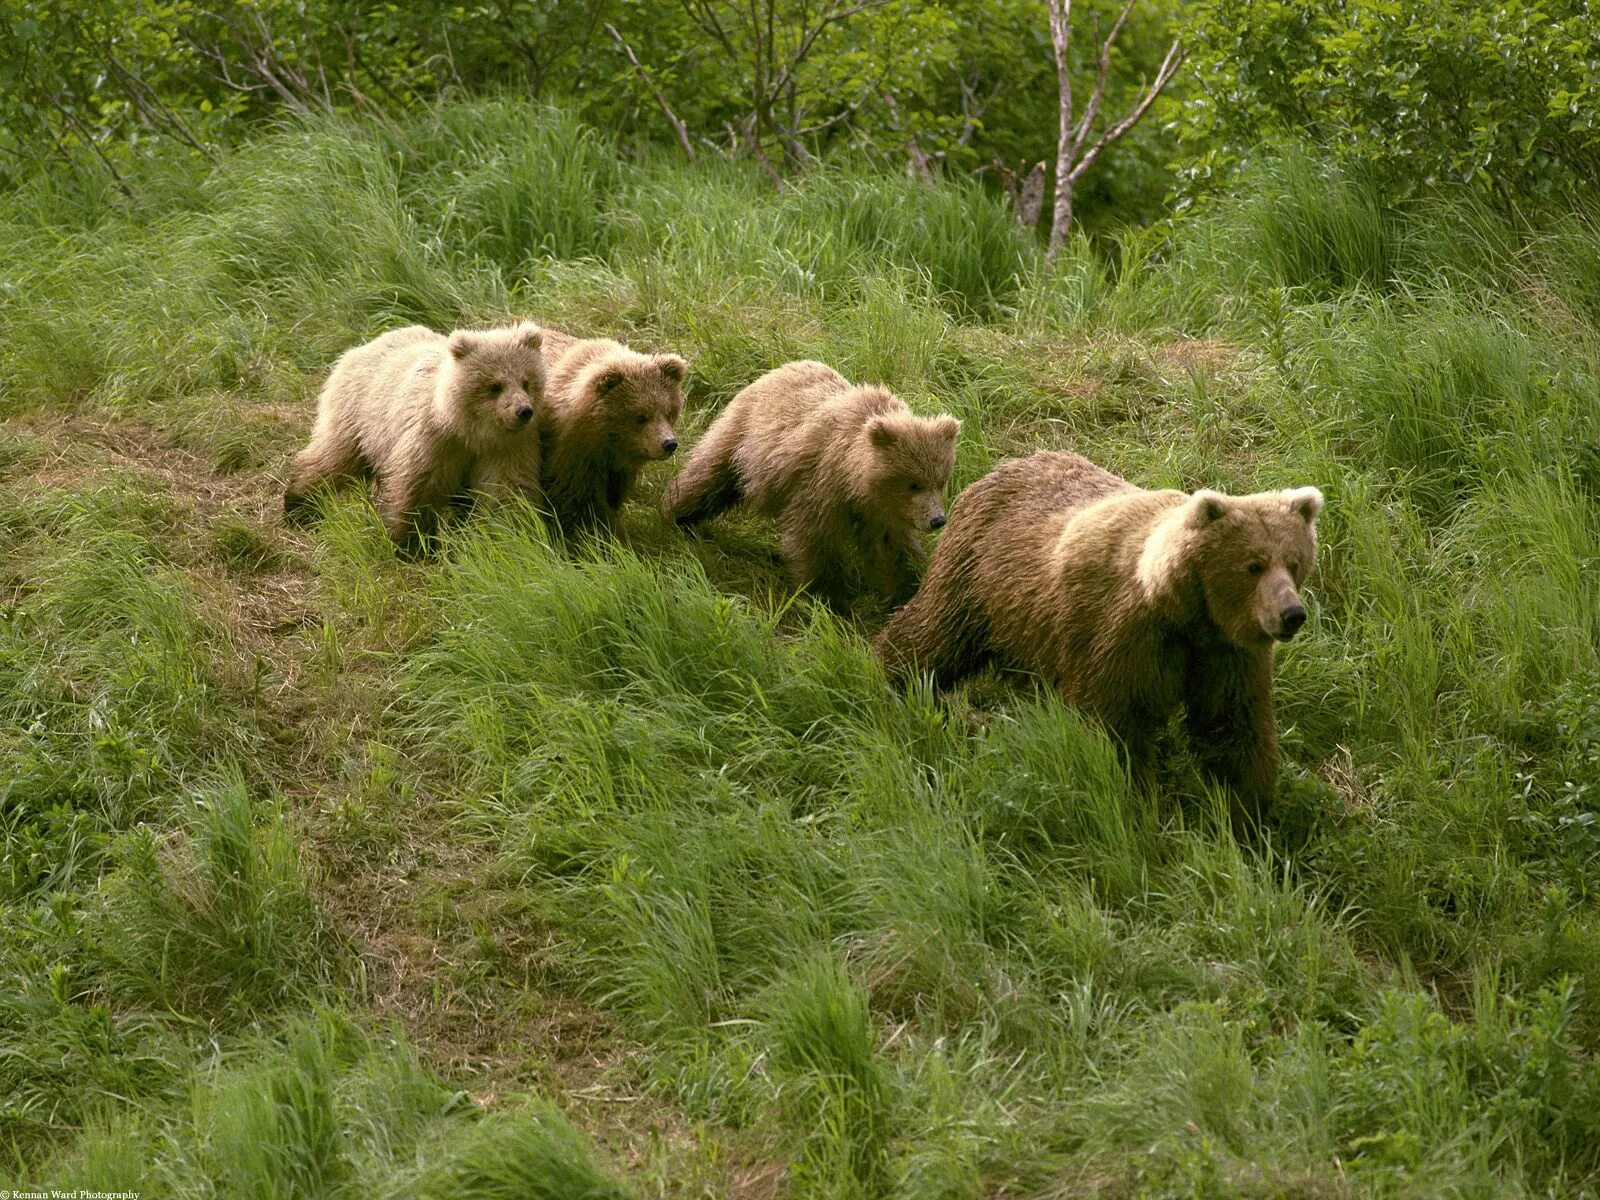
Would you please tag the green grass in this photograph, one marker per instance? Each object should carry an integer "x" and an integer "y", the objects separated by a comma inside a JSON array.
[{"x": 510, "y": 873}]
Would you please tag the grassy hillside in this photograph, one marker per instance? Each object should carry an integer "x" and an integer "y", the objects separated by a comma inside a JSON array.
[{"x": 510, "y": 874}]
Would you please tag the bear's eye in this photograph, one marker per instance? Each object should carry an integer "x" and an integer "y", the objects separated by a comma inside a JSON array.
[
  {"x": 641, "y": 419},
  {"x": 1256, "y": 568},
  {"x": 916, "y": 487},
  {"x": 496, "y": 388},
  {"x": 525, "y": 386}
]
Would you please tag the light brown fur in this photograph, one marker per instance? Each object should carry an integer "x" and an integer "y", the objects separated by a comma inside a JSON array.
[
  {"x": 851, "y": 474},
  {"x": 610, "y": 411},
  {"x": 1129, "y": 602},
  {"x": 428, "y": 416}
]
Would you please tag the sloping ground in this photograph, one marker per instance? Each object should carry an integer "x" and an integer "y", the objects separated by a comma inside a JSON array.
[
  {"x": 506, "y": 873},
  {"x": 402, "y": 912}
]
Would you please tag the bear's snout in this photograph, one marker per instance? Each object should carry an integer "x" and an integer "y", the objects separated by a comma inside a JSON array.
[
  {"x": 525, "y": 413},
  {"x": 937, "y": 522},
  {"x": 669, "y": 444},
  {"x": 1290, "y": 620}
]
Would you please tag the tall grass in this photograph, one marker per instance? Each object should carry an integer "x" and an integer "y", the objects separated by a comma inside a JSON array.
[
  {"x": 218, "y": 920},
  {"x": 881, "y": 943},
  {"x": 110, "y": 690},
  {"x": 324, "y": 1110}
]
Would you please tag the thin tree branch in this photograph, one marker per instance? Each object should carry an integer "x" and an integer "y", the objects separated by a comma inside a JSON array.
[
  {"x": 1101, "y": 74},
  {"x": 87, "y": 136},
  {"x": 678, "y": 126},
  {"x": 703, "y": 15},
  {"x": 155, "y": 110},
  {"x": 844, "y": 114},
  {"x": 972, "y": 109},
  {"x": 775, "y": 114},
  {"x": 1169, "y": 68}
]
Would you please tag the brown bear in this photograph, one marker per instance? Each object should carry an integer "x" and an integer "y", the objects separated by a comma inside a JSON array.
[
  {"x": 852, "y": 475},
  {"x": 427, "y": 416},
  {"x": 1129, "y": 602},
  {"x": 609, "y": 411}
]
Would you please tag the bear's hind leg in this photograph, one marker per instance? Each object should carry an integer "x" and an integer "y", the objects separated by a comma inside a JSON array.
[
  {"x": 707, "y": 485},
  {"x": 937, "y": 633},
  {"x": 330, "y": 458}
]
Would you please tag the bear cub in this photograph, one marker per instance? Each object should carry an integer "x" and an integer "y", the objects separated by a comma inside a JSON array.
[
  {"x": 609, "y": 411},
  {"x": 851, "y": 474},
  {"x": 1131, "y": 603},
  {"x": 428, "y": 415}
]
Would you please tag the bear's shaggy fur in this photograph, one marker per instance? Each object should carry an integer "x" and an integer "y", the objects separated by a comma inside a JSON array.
[
  {"x": 609, "y": 411},
  {"x": 1129, "y": 602},
  {"x": 852, "y": 475},
  {"x": 427, "y": 416}
]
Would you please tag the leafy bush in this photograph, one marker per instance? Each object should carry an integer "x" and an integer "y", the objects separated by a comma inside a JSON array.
[{"x": 1502, "y": 97}]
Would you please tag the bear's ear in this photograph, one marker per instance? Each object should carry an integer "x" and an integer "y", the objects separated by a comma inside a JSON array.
[
  {"x": 462, "y": 343},
  {"x": 530, "y": 335},
  {"x": 610, "y": 380},
  {"x": 945, "y": 428},
  {"x": 1205, "y": 506},
  {"x": 672, "y": 367},
  {"x": 879, "y": 433},
  {"x": 1306, "y": 501}
]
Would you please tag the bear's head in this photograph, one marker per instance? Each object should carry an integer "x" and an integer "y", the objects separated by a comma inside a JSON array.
[
  {"x": 640, "y": 397},
  {"x": 497, "y": 378},
  {"x": 1248, "y": 555},
  {"x": 911, "y": 459}
]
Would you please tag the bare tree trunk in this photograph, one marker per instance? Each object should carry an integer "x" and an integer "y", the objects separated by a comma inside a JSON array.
[
  {"x": 1030, "y": 197},
  {"x": 917, "y": 163},
  {"x": 1072, "y": 158},
  {"x": 1061, "y": 40}
]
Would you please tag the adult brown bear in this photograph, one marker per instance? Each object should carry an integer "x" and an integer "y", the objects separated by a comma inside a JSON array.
[{"x": 1131, "y": 603}]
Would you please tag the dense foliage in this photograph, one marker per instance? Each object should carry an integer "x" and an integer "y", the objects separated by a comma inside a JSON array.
[
  {"x": 1500, "y": 97},
  {"x": 1504, "y": 97},
  {"x": 958, "y": 84}
]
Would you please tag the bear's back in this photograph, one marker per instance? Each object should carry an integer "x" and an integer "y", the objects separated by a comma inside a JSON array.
[
  {"x": 1019, "y": 529},
  {"x": 392, "y": 372},
  {"x": 777, "y": 404},
  {"x": 1045, "y": 488},
  {"x": 787, "y": 424},
  {"x": 556, "y": 343},
  {"x": 382, "y": 354},
  {"x": 857, "y": 405}
]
